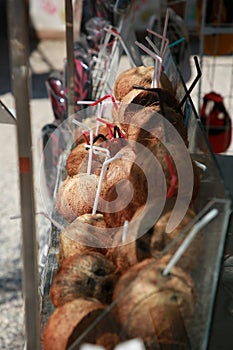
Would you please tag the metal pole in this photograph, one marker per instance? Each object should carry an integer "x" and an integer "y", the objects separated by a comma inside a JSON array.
[
  {"x": 70, "y": 55},
  {"x": 201, "y": 49},
  {"x": 18, "y": 28}
]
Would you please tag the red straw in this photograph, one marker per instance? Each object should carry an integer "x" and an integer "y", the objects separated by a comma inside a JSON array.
[
  {"x": 174, "y": 179},
  {"x": 85, "y": 133},
  {"x": 109, "y": 126},
  {"x": 104, "y": 98}
]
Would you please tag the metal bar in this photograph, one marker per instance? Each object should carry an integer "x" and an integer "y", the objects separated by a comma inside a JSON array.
[
  {"x": 201, "y": 51},
  {"x": 18, "y": 19},
  {"x": 70, "y": 55}
]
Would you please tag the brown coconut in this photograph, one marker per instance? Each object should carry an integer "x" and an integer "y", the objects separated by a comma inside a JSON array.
[
  {"x": 77, "y": 159},
  {"x": 155, "y": 307},
  {"x": 69, "y": 322},
  {"x": 88, "y": 274},
  {"x": 81, "y": 236},
  {"x": 146, "y": 125},
  {"x": 124, "y": 247},
  {"x": 151, "y": 97},
  {"x": 141, "y": 76},
  {"x": 76, "y": 195},
  {"x": 125, "y": 196},
  {"x": 119, "y": 168}
]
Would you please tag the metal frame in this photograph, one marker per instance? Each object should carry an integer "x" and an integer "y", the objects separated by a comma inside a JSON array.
[
  {"x": 18, "y": 20},
  {"x": 18, "y": 28}
]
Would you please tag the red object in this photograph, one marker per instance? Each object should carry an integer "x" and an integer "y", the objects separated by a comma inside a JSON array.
[
  {"x": 104, "y": 98},
  {"x": 216, "y": 121},
  {"x": 24, "y": 165},
  {"x": 174, "y": 179}
]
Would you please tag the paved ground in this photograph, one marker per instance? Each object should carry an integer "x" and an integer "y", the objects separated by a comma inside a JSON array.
[{"x": 45, "y": 56}]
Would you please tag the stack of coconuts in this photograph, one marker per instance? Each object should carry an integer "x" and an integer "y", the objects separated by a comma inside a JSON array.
[{"x": 111, "y": 260}]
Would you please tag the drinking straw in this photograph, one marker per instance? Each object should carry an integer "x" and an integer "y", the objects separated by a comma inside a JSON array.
[
  {"x": 91, "y": 143},
  {"x": 165, "y": 30},
  {"x": 105, "y": 164},
  {"x": 157, "y": 59},
  {"x": 128, "y": 53},
  {"x": 196, "y": 228},
  {"x": 124, "y": 233},
  {"x": 104, "y": 98},
  {"x": 188, "y": 91},
  {"x": 100, "y": 150},
  {"x": 164, "y": 39}
]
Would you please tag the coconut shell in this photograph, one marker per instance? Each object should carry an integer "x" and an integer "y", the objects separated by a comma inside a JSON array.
[
  {"x": 150, "y": 97},
  {"x": 119, "y": 168},
  {"x": 69, "y": 322},
  {"x": 146, "y": 125},
  {"x": 154, "y": 307},
  {"x": 156, "y": 239},
  {"x": 77, "y": 160},
  {"x": 141, "y": 76},
  {"x": 123, "y": 254},
  {"x": 89, "y": 274},
  {"x": 176, "y": 153},
  {"x": 76, "y": 195},
  {"x": 122, "y": 191},
  {"x": 119, "y": 205},
  {"x": 80, "y": 236}
]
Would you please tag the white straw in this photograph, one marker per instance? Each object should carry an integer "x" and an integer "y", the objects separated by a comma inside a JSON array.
[
  {"x": 91, "y": 143},
  {"x": 128, "y": 53},
  {"x": 105, "y": 164},
  {"x": 103, "y": 152},
  {"x": 198, "y": 226},
  {"x": 164, "y": 32},
  {"x": 157, "y": 74},
  {"x": 85, "y": 102},
  {"x": 164, "y": 39},
  {"x": 157, "y": 59},
  {"x": 152, "y": 45},
  {"x": 157, "y": 64},
  {"x": 99, "y": 112},
  {"x": 165, "y": 48},
  {"x": 148, "y": 51},
  {"x": 125, "y": 229}
]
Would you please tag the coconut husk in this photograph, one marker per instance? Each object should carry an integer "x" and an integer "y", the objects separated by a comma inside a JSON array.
[
  {"x": 89, "y": 274},
  {"x": 142, "y": 76},
  {"x": 81, "y": 236},
  {"x": 76, "y": 195},
  {"x": 155, "y": 307},
  {"x": 69, "y": 322}
]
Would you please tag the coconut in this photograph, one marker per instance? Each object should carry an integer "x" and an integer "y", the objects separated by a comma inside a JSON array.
[
  {"x": 88, "y": 274},
  {"x": 155, "y": 307},
  {"x": 76, "y": 195},
  {"x": 69, "y": 322}
]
